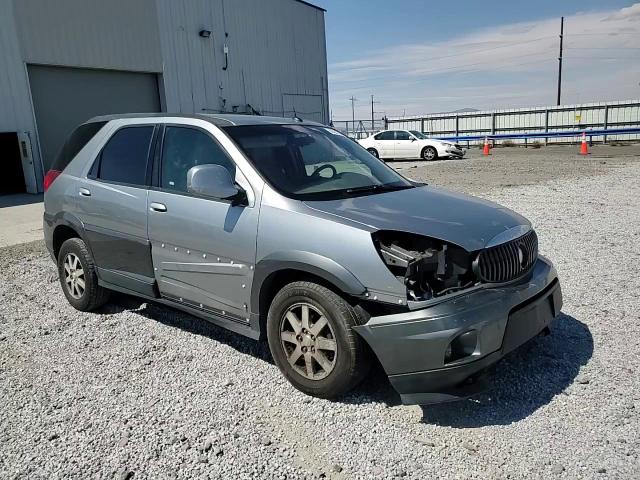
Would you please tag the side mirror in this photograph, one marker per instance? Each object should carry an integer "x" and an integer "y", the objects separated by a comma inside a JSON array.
[
  {"x": 214, "y": 181},
  {"x": 413, "y": 139}
]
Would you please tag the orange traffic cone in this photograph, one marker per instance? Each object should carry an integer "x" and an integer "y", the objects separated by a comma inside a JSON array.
[
  {"x": 584, "y": 149},
  {"x": 485, "y": 150}
]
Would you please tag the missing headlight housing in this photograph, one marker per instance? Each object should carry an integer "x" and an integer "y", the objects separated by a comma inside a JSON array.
[{"x": 428, "y": 267}]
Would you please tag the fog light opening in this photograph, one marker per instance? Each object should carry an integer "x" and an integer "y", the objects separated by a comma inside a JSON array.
[{"x": 462, "y": 346}]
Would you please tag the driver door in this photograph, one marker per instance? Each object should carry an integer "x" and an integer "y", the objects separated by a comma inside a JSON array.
[
  {"x": 406, "y": 146},
  {"x": 203, "y": 248}
]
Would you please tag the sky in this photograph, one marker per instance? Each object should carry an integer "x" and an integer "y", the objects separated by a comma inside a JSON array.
[{"x": 425, "y": 56}]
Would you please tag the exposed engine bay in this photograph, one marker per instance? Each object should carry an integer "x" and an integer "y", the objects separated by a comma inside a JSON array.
[{"x": 427, "y": 267}]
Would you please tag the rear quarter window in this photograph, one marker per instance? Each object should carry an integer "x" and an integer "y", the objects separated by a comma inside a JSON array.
[{"x": 76, "y": 142}]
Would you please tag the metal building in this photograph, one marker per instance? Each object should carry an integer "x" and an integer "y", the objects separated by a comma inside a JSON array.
[{"x": 64, "y": 61}]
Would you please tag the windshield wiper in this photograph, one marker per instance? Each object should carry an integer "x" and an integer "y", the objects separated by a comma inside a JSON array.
[{"x": 375, "y": 188}]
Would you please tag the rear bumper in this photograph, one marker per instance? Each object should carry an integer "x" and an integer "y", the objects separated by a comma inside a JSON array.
[{"x": 411, "y": 346}]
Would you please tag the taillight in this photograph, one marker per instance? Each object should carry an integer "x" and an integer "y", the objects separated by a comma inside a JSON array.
[{"x": 49, "y": 178}]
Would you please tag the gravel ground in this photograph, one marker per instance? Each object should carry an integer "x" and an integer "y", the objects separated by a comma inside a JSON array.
[
  {"x": 508, "y": 167},
  {"x": 142, "y": 391}
]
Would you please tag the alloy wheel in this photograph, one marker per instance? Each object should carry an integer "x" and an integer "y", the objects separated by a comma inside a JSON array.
[
  {"x": 429, "y": 154},
  {"x": 308, "y": 341},
  {"x": 74, "y": 275}
]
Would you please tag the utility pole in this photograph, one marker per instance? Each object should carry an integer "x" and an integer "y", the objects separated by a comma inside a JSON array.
[
  {"x": 560, "y": 60},
  {"x": 353, "y": 111},
  {"x": 372, "y": 121},
  {"x": 373, "y": 126}
]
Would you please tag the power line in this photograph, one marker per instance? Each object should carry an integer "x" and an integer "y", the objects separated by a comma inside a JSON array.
[
  {"x": 602, "y": 48},
  {"x": 611, "y": 34},
  {"x": 590, "y": 57}
]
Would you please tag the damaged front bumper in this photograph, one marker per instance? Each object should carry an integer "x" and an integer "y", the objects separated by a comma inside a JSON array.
[
  {"x": 412, "y": 346},
  {"x": 456, "y": 152}
]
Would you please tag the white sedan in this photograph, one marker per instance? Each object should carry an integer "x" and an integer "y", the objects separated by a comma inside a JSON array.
[{"x": 409, "y": 144}]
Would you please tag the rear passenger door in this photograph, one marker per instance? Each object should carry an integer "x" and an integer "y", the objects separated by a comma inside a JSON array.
[
  {"x": 203, "y": 248},
  {"x": 385, "y": 143},
  {"x": 112, "y": 205}
]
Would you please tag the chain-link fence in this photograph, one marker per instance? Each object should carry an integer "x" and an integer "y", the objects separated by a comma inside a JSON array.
[{"x": 358, "y": 128}]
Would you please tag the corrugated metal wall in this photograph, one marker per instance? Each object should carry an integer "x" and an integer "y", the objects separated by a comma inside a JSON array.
[
  {"x": 276, "y": 47},
  {"x": 108, "y": 34},
  {"x": 276, "y": 61},
  {"x": 16, "y": 114}
]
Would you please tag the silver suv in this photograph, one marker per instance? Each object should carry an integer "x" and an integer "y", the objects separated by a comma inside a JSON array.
[{"x": 286, "y": 229}]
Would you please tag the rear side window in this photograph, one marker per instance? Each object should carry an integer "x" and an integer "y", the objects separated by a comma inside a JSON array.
[
  {"x": 385, "y": 136},
  {"x": 76, "y": 142},
  {"x": 124, "y": 157}
]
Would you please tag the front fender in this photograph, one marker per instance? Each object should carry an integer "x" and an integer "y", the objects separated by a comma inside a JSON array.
[{"x": 312, "y": 263}]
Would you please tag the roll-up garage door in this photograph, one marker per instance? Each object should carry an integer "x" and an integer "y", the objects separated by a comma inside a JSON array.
[{"x": 65, "y": 97}]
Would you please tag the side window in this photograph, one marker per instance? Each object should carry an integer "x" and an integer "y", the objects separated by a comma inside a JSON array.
[
  {"x": 185, "y": 147},
  {"x": 388, "y": 135},
  {"x": 402, "y": 135},
  {"x": 124, "y": 157}
]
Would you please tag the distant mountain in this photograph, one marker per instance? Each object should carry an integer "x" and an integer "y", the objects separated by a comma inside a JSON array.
[
  {"x": 461, "y": 110},
  {"x": 465, "y": 110}
]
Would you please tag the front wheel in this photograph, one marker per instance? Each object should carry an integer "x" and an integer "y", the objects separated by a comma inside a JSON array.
[
  {"x": 429, "y": 153},
  {"x": 311, "y": 338}
]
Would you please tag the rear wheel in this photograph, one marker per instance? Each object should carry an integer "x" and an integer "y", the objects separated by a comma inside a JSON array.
[
  {"x": 312, "y": 341},
  {"x": 373, "y": 152},
  {"x": 78, "y": 276},
  {"x": 429, "y": 153}
]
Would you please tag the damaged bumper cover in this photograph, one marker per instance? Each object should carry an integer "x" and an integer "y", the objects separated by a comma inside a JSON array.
[{"x": 421, "y": 350}]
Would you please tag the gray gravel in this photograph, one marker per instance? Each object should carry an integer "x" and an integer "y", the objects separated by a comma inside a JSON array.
[{"x": 142, "y": 391}]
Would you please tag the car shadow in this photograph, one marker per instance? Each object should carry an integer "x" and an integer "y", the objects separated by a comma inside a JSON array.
[
  {"x": 525, "y": 380},
  {"x": 174, "y": 318}
]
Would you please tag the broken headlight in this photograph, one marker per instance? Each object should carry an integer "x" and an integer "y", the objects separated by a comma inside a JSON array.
[{"x": 427, "y": 267}]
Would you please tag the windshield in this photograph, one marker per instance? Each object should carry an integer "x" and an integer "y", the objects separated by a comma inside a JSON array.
[
  {"x": 417, "y": 134},
  {"x": 314, "y": 162}
]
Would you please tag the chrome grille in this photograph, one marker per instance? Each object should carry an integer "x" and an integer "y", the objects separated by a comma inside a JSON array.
[{"x": 507, "y": 261}]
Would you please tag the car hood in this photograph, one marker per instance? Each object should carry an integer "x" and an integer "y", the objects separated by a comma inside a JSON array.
[{"x": 434, "y": 212}]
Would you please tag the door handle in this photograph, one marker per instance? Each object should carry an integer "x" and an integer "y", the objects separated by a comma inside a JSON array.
[
  {"x": 158, "y": 207},
  {"x": 85, "y": 192}
]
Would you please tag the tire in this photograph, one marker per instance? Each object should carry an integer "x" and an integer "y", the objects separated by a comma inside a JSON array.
[
  {"x": 350, "y": 359},
  {"x": 429, "y": 154},
  {"x": 91, "y": 296},
  {"x": 373, "y": 152}
]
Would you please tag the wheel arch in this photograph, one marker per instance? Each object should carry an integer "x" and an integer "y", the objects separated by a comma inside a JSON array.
[
  {"x": 66, "y": 226},
  {"x": 428, "y": 146},
  {"x": 276, "y": 270}
]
